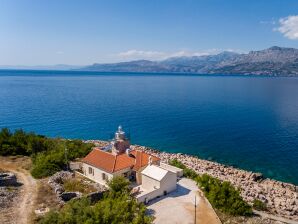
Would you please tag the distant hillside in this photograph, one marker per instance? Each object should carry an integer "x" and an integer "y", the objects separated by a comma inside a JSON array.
[
  {"x": 274, "y": 61},
  {"x": 59, "y": 67}
]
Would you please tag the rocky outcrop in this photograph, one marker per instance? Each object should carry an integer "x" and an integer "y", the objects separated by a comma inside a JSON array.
[
  {"x": 67, "y": 196},
  {"x": 56, "y": 182},
  {"x": 95, "y": 196},
  {"x": 8, "y": 189},
  {"x": 7, "y": 196},
  {"x": 8, "y": 179}
]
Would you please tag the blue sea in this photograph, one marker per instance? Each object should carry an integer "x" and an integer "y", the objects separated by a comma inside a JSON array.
[{"x": 247, "y": 122}]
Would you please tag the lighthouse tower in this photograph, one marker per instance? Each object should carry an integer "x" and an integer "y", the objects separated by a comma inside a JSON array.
[{"x": 120, "y": 143}]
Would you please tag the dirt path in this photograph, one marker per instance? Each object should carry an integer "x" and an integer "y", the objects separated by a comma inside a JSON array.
[{"x": 22, "y": 209}]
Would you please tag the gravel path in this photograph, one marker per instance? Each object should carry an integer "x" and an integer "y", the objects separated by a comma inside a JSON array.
[{"x": 23, "y": 206}]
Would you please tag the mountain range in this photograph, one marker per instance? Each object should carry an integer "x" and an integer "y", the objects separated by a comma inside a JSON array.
[{"x": 274, "y": 61}]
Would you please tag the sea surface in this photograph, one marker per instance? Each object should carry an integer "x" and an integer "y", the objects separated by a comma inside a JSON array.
[{"x": 247, "y": 122}]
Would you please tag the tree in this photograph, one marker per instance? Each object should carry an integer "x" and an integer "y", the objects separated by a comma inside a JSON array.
[
  {"x": 122, "y": 209},
  {"x": 119, "y": 184}
]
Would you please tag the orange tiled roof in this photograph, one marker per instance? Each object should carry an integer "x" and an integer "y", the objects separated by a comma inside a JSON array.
[
  {"x": 107, "y": 161},
  {"x": 113, "y": 163},
  {"x": 142, "y": 159}
]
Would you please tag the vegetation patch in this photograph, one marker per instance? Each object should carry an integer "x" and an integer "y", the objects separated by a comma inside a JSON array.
[
  {"x": 74, "y": 185},
  {"x": 48, "y": 155},
  {"x": 259, "y": 205},
  {"x": 117, "y": 206},
  {"x": 222, "y": 195}
]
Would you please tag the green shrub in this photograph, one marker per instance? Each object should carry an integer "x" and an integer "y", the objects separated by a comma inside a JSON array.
[
  {"x": 223, "y": 196},
  {"x": 47, "y": 163},
  {"x": 110, "y": 210},
  {"x": 259, "y": 205},
  {"x": 48, "y": 154},
  {"x": 118, "y": 185}
]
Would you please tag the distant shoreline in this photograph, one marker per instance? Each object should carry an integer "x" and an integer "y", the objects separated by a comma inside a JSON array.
[{"x": 122, "y": 73}]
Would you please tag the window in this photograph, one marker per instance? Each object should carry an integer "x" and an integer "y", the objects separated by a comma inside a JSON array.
[
  {"x": 104, "y": 176},
  {"x": 91, "y": 171}
]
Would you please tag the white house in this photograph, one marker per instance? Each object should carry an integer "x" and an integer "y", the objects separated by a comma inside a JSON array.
[
  {"x": 152, "y": 177},
  {"x": 101, "y": 165},
  {"x": 156, "y": 182}
]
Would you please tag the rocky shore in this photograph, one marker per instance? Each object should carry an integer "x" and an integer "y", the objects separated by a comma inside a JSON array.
[{"x": 281, "y": 198}]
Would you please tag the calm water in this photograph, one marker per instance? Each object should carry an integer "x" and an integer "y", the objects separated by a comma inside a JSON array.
[{"x": 247, "y": 122}]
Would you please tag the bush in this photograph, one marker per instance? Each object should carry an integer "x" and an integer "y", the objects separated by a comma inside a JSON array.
[
  {"x": 119, "y": 184},
  {"x": 223, "y": 196},
  {"x": 110, "y": 210},
  {"x": 259, "y": 205},
  {"x": 20, "y": 143},
  {"x": 48, "y": 155}
]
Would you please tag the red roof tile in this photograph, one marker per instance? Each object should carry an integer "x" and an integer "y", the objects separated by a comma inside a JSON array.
[
  {"x": 142, "y": 159},
  {"x": 107, "y": 161},
  {"x": 113, "y": 163}
]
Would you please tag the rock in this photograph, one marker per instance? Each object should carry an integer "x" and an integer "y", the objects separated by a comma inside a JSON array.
[
  {"x": 7, "y": 196},
  {"x": 8, "y": 179},
  {"x": 41, "y": 211},
  {"x": 66, "y": 196},
  {"x": 95, "y": 196}
]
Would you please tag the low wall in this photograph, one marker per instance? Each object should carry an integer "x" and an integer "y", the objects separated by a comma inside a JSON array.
[
  {"x": 149, "y": 195},
  {"x": 173, "y": 169}
]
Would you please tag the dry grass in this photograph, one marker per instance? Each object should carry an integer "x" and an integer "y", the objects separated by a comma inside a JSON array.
[
  {"x": 21, "y": 162},
  {"x": 78, "y": 184},
  {"x": 45, "y": 195}
]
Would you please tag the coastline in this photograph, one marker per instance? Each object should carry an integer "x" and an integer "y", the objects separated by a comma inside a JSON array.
[{"x": 281, "y": 198}]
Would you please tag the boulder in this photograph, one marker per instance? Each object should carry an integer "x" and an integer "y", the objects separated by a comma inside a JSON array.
[{"x": 66, "y": 196}]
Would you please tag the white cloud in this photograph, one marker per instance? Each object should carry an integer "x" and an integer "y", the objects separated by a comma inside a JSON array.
[
  {"x": 289, "y": 27},
  {"x": 268, "y": 22},
  {"x": 159, "y": 55},
  {"x": 138, "y": 54}
]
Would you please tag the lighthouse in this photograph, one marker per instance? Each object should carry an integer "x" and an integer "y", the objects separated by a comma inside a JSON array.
[{"x": 120, "y": 143}]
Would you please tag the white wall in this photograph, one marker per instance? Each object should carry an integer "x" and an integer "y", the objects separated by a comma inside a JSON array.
[
  {"x": 97, "y": 176},
  {"x": 168, "y": 184},
  {"x": 174, "y": 169},
  {"x": 149, "y": 183}
]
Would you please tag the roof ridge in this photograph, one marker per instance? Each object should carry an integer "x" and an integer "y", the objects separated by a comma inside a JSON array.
[
  {"x": 105, "y": 152},
  {"x": 114, "y": 163},
  {"x": 141, "y": 159}
]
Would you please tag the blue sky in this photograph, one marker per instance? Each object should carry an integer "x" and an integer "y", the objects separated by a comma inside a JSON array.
[{"x": 84, "y": 32}]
